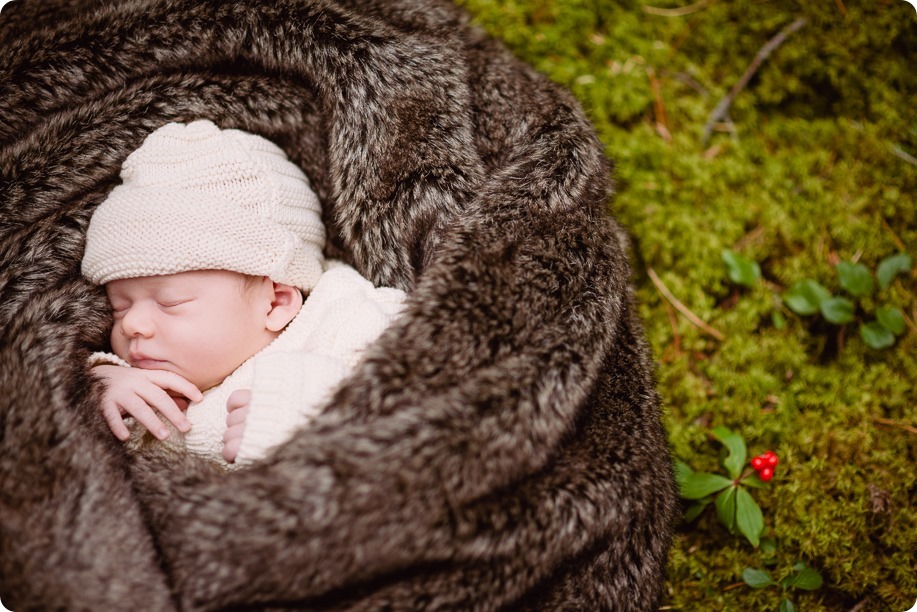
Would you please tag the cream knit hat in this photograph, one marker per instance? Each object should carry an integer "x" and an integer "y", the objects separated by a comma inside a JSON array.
[{"x": 195, "y": 197}]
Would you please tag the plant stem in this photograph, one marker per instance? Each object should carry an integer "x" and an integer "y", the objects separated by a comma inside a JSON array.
[
  {"x": 723, "y": 107},
  {"x": 682, "y": 308}
]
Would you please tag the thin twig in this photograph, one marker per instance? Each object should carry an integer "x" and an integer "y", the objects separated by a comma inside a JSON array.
[
  {"x": 712, "y": 151},
  {"x": 891, "y": 423},
  {"x": 676, "y": 337},
  {"x": 910, "y": 322},
  {"x": 675, "y": 12},
  {"x": 841, "y": 7},
  {"x": 662, "y": 126},
  {"x": 898, "y": 242},
  {"x": 899, "y": 152},
  {"x": 860, "y": 606},
  {"x": 675, "y": 347},
  {"x": 691, "y": 82},
  {"x": 720, "y": 111},
  {"x": 750, "y": 237},
  {"x": 681, "y": 307}
]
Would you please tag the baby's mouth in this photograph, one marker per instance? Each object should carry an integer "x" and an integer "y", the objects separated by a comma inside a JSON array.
[{"x": 144, "y": 362}]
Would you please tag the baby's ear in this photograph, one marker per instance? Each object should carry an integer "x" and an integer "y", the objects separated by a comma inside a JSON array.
[{"x": 285, "y": 305}]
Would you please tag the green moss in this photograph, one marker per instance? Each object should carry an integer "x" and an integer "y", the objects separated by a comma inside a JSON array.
[{"x": 811, "y": 172}]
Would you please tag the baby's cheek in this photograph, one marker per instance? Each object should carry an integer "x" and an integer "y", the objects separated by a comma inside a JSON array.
[{"x": 118, "y": 343}]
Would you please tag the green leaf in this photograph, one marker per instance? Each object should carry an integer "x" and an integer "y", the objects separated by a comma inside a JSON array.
[
  {"x": 787, "y": 606},
  {"x": 891, "y": 319},
  {"x": 695, "y": 509},
  {"x": 768, "y": 546},
  {"x": 876, "y": 336},
  {"x": 726, "y": 508},
  {"x": 805, "y": 297},
  {"x": 890, "y": 267},
  {"x": 701, "y": 484},
  {"x": 735, "y": 460},
  {"x": 682, "y": 469},
  {"x": 757, "y": 579},
  {"x": 807, "y": 579},
  {"x": 778, "y": 320},
  {"x": 837, "y": 310},
  {"x": 855, "y": 278},
  {"x": 742, "y": 270},
  {"x": 748, "y": 516},
  {"x": 752, "y": 480}
]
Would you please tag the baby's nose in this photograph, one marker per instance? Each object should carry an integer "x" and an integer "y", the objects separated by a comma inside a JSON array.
[{"x": 137, "y": 323}]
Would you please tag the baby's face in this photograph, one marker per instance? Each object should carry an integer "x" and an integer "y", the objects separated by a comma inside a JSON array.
[{"x": 201, "y": 325}]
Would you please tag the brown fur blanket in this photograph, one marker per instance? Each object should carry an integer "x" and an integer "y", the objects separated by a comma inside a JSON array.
[{"x": 500, "y": 447}]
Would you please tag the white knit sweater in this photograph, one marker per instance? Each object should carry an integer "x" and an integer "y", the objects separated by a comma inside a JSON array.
[{"x": 291, "y": 378}]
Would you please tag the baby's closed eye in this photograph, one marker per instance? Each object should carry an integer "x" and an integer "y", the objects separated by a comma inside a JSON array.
[
  {"x": 119, "y": 307},
  {"x": 174, "y": 303}
]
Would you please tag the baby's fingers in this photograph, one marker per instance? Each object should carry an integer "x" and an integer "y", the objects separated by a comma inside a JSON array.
[
  {"x": 231, "y": 449},
  {"x": 158, "y": 399},
  {"x": 237, "y": 417},
  {"x": 235, "y": 424},
  {"x": 238, "y": 399},
  {"x": 173, "y": 382},
  {"x": 115, "y": 421},
  {"x": 138, "y": 408}
]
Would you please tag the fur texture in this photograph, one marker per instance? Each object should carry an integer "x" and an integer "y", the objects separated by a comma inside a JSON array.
[{"x": 500, "y": 447}]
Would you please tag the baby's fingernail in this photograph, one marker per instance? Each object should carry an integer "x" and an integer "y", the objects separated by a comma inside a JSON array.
[
  {"x": 162, "y": 434},
  {"x": 185, "y": 425}
]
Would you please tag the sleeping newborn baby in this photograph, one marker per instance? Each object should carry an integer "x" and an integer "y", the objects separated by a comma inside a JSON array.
[{"x": 230, "y": 330}]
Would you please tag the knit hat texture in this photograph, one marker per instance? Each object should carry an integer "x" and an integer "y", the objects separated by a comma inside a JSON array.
[{"x": 195, "y": 197}]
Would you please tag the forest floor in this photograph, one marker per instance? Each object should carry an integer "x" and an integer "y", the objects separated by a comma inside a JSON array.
[{"x": 772, "y": 251}]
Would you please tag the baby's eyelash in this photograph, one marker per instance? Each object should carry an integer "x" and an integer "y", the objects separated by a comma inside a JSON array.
[{"x": 174, "y": 303}]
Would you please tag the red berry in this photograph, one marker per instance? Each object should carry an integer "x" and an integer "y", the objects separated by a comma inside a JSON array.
[
  {"x": 758, "y": 463},
  {"x": 766, "y": 473},
  {"x": 771, "y": 458}
]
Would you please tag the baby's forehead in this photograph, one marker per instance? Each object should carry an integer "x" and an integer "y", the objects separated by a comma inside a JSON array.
[
  {"x": 185, "y": 281},
  {"x": 142, "y": 283}
]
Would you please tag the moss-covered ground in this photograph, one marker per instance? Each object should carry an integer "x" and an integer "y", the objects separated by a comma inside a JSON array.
[{"x": 814, "y": 164}]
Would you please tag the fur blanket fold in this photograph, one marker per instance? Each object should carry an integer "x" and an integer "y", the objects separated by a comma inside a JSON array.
[{"x": 499, "y": 447}]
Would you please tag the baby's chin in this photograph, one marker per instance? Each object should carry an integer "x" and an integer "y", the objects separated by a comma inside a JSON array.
[{"x": 202, "y": 382}]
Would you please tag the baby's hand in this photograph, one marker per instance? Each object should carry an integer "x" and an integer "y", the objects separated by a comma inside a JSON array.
[
  {"x": 141, "y": 393},
  {"x": 237, "y": 406}
]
